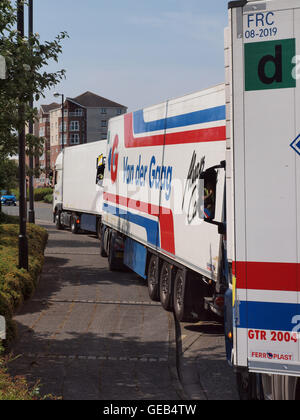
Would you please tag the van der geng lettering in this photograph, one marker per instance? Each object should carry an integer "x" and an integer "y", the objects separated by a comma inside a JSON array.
[{"x": 158, "y": 176}]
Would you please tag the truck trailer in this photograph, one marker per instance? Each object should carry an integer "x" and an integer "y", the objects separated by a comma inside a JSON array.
[
  {"x": 163, "y": 187},
  {"x": 201, "y": 198},
  {"x": 263, "y": 195},
  {"x": 77, "y": 198}
]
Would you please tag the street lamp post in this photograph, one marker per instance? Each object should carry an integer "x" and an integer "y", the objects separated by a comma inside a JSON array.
[
  {"x": 31, "y": 215},
  {"x": 23, "y": 243},
  {"x": 56, "y": 95}
]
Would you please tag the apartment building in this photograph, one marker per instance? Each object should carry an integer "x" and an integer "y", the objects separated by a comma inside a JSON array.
[
  {"x": 41, "y": 128},
  {"x": 45, "y": 132},
  {"x": 85, "y": 120}
]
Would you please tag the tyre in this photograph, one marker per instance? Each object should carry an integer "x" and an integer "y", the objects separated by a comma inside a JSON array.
[
  {"x": 249, "y": 386},
  {"x": 99, "y": 229},
  {"x": 180, "y": 300},
  {"x": 153, "y": 278},
  {"x": 74, "y": 225},
  {"x": 103, "y": 253},
  {"x": 58, "y": 223},
  {"x": 166, "y": 286},
  {"x": 115, "y": 261}
]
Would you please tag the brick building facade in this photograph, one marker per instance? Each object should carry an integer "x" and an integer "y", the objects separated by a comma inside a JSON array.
[{"x": 85, "y": 120}]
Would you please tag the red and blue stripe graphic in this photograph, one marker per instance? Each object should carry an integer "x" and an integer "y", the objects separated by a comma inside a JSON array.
[
  {"x": 139, "y": 133},
  {"x": 150, "y": 225},
  {"x": 271, "y": 316},
  {"x": 160, "y": 233},
  {"x": 265, "y": 278},
  {"x": 135, "y": 127}
]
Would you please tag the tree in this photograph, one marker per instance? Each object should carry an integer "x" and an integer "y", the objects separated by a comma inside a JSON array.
[
  {"x": 25, "y": 60},
  {"x": 8, "y": 174}
]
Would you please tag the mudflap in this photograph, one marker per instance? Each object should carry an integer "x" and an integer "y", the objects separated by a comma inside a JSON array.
[{"x": 135, "y": 257}]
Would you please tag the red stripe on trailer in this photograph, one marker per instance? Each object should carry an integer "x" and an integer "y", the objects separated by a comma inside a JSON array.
[
  {"x": 182, "y": 137},
  {"x": 267, "y": 276},
  {"x": 166, "y": 221}
]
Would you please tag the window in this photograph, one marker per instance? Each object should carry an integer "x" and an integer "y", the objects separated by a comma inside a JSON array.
[
  {"x": 100, "y": 169},
  {"x": 210, "y": 177},
  {"x": 61, "y": 137},
  {"x": 74, "y": 138},
  {"x": 103, "y": 136},
  {"x": 103, "y": 111},
  {"x": 104, "y": 123},
  {"x": 74, "y": 126},
  {"x": 119, "y": 111},
  {"x": 77, "y": 113},
  {"x": 42, "y": 131},
  {"x": 65, "y": 126}
]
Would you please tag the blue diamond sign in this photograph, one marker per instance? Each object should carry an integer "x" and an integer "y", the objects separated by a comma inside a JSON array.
[{"x": 296, "y": 145}]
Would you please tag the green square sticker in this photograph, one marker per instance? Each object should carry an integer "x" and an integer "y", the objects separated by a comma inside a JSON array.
[{"x": 269, "y": 65}]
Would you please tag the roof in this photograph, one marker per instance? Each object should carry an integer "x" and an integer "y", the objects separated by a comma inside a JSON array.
[
  {"x": 47, "y": 108},
  {"x": 91, "y": 100}
]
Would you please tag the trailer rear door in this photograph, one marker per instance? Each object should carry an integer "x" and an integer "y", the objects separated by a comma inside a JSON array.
[{"x": 265, "y": 42}]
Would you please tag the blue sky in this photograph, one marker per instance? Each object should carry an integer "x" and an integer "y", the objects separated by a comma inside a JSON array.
[{"x": 135, "y": 52}]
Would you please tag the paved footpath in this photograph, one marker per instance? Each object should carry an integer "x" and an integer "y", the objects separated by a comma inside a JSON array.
[
  {"x": 203, "y": 369},
  {"x": 88, "y": 333}
]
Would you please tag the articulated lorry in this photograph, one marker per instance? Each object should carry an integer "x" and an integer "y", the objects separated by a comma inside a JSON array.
[
  {"x": 201, "y": 197},
  {"x": 77, "y": 198}
]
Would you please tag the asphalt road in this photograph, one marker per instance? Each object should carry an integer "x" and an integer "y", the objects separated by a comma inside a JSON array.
[
  {"x": 43, "y": 211},
  {"x": 88, "y": 333}
]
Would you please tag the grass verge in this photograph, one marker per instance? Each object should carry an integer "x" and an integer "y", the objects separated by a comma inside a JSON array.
[{"x": 16, "y": 285}]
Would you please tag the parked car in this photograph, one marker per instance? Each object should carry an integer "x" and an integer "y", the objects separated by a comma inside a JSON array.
[{"x": 9, "y": 200}]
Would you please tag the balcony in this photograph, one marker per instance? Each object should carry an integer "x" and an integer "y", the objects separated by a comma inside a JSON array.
[{"x": 76, "y": 114}]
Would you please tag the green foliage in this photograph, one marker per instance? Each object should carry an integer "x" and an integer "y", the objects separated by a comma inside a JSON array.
[
  {"x": 7, "y": 219},
  {"x": 18, "y": 284},
  {"x": 15, "y": 389},
  {"x": 8, "y": 174},
  {"x": 41, "y": 193},
  {"x": 48, "y": 199},
  {"x": 26, "y": 59}
]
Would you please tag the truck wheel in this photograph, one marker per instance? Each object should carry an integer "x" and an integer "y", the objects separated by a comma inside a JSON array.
[
  {"x": 166, "y": 287},
  {"x": 103, "y": 253},
  {"x": 99, "y": 229},
  {"x": 249, "y": 386},
  {"x": 74, "y": 225},
  {"x": 153, "y": 278},
  {"x": 58, "y": 224},
  {"x": 115, "y": 263},
  {"x": 180, "y": 301}
]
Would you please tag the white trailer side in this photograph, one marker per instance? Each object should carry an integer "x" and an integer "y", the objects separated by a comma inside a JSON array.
[
  {"x": 156, "y": 159},
  {"x": 78, "y": 191}
]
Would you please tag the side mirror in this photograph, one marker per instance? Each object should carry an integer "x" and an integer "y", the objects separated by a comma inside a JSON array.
[
  {"x": 212, "y": 205},
  {"x": 100, "y": 166}
]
